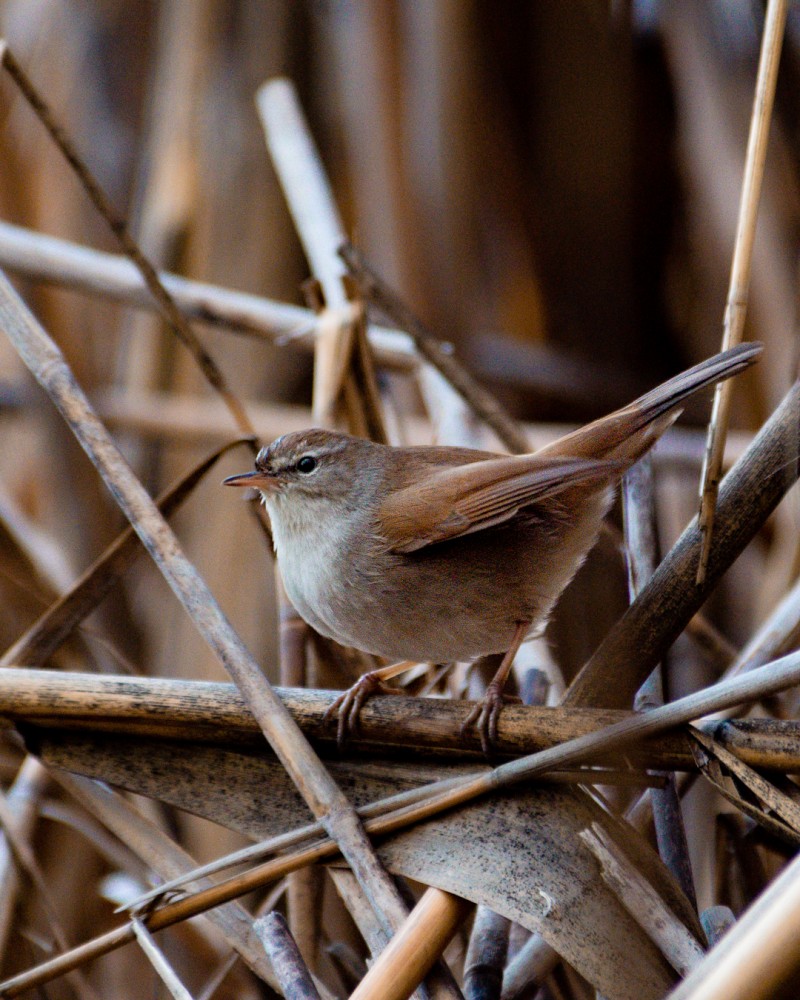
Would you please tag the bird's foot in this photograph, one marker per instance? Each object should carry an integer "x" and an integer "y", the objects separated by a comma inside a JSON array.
[
  {"x": 485, "y": 716},
  {"x": 347, "y": 707}
]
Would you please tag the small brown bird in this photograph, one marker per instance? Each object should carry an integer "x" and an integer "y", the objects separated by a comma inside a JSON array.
[{"x": 441, "y": 553}]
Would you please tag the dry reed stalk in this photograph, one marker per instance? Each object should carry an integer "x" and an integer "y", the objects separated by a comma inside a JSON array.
[
  {"x": 757, "y": 955},
  {"x": 717, "y": 921},
  {"x": 414, "y": 948},
  {"x": 285, "y": 957},
  {"x": 170, "y": 311},
  {"x": 379, "y": 294},
  {"x": 676, "y": 943},
  {"x": 215, "y": 713},
  {"x": 156, "y": 957},
  {"x": 486, "y": 955},
  {"x": 748, "y": 494},
  {"x": 343, "y": 365},
  {"x": 23, "y": 800},
  {"x": 28, "y": 866},
  {"x": 324, "y": 798},
  {"x": 111, "y": 276},
  {"x": 532, "y": 963},
  {"x": 166, "y": 187},
  {"x": 430, "y": 800},
  {"x": 736, "y": 306},
  {"x": 641, "y": 545},
  {"x": 305, "y": 887}
]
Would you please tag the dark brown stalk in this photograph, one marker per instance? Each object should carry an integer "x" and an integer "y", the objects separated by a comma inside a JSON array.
[
  {"x": 216, "y": 713},
  {"x": 641, "y": 537},
  {"x": 748, "y": 495}
]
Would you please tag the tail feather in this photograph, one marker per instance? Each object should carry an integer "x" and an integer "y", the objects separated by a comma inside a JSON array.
[
  {"x": 714, "y": 369},
  {"x": 620, "y": 436}
]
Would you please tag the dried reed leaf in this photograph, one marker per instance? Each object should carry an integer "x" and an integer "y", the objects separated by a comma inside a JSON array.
[
  {"x": 509, "y": 853},
  {"x": 728, "y": 774}
]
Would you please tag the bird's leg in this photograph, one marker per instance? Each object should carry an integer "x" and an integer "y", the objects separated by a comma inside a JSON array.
[
  {"x": 348, "y": 705},
  {"x": 485, "y": 714}
]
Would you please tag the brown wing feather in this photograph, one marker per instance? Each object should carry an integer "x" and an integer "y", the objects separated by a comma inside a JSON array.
[{"x": 458, "y": 501}]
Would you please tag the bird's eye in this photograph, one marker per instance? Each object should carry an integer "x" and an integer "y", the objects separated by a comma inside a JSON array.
[{"x": 307, "y": 464}]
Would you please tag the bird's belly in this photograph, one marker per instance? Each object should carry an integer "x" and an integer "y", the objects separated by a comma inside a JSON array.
[{"x": 421, "y": 606}]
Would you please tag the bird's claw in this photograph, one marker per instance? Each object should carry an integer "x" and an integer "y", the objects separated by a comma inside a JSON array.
[
  {"x": 485, "y": 716},
  {"x": 347, "y": 707}
]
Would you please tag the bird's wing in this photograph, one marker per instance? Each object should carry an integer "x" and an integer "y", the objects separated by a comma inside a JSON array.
[{"x": 457, "y": 501}]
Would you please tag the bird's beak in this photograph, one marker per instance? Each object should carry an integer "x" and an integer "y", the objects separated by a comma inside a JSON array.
[{"x": 258, "y": 480}]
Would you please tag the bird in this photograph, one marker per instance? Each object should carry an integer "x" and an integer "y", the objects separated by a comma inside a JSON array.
[{"x": 439, "y": 553}]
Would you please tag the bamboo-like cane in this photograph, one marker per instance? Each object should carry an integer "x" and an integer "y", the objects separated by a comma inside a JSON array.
[
  {"x": 757, "y": 955},
  {"x": 416, "y": 946},
  {"x": 736, "y": 306}
]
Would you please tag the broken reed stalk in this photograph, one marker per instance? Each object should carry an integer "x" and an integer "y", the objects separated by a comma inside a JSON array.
[
  {"x": 377, "y": 292},
  {"x": 736, "y": 305},
  {"x": 429, "y": 801},
  {"x": 344, "y": 375},
  {"x": 320, "y": 792},
  {"x": 678, "y": 945},
  {"x": 748, "y": 495},
  {"x": 61, "y": 262}
]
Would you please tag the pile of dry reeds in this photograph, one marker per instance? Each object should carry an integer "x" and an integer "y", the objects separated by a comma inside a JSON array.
[{"x": 563, "y": 193}]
